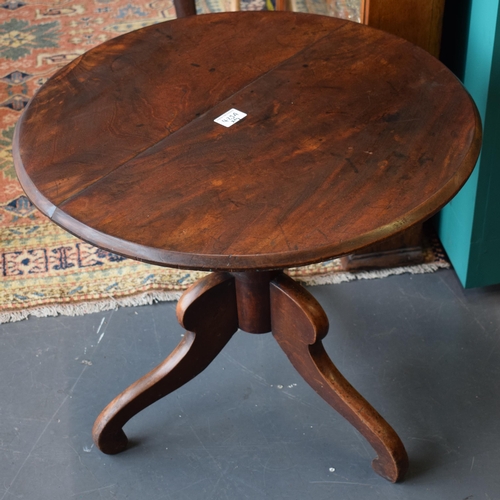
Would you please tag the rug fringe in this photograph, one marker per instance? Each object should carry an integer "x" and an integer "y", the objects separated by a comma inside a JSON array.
[
  {"x": 336, "y": 278},
  {"x": 148, "y": 298},
  {"x": 80, "y": 309}
]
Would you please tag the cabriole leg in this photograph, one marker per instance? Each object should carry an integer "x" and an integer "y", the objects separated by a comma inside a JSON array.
[
  {"x": 208, "y": 312},
  {"x": 299, "y": 324}
]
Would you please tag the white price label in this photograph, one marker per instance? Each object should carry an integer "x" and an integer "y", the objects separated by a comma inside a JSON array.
[{"x": 230, "y": 117}]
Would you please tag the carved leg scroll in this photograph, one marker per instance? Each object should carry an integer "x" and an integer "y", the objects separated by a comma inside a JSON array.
[
  {"x": 208, "y": 312},
  {"x": 299, "y": 324}
]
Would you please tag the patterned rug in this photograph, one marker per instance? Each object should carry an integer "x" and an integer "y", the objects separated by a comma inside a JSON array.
[{"x": 46, "y": 271}]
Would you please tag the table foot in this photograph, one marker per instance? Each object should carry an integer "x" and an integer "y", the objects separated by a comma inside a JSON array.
[
  {"x": 208, "y": 312},
  {"x": 299, "y": 324}
]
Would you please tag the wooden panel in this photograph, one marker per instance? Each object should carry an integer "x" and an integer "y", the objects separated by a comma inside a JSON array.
[{"x": 418, "y": 21}]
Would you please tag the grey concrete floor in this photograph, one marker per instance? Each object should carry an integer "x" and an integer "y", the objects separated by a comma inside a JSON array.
[{"x": 422, "y": 350}]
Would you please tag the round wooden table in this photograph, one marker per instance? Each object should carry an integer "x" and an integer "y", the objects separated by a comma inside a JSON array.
[{"x": 246, "y": 143}]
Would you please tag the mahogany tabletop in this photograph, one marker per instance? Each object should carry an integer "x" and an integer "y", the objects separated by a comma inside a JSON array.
[{"x": 350, "y": 135}]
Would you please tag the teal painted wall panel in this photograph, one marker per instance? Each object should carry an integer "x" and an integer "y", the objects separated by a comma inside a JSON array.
[
  {"x": 467, "y": 225},
  {"x": 484, "y": 267},
  {"x": 455, "y": 227},
  {"x": 482, "y": 33}
]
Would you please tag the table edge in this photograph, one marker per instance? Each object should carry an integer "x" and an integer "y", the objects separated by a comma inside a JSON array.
[{"x": 210, "y": 262}]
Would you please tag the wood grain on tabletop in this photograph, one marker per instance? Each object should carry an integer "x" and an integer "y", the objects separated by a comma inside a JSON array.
[{"x": 351, "y": 136}]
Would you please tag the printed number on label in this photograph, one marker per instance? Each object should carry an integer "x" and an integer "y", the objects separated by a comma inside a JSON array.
[{"x": 230, "y": 117}]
